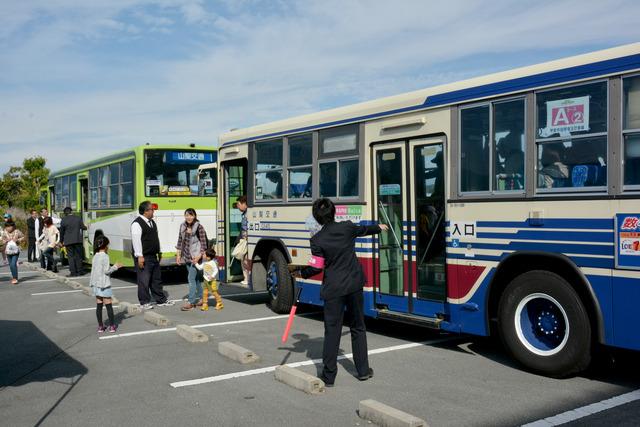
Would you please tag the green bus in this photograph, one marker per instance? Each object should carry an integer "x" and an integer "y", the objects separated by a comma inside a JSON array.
[{"x": 106, "y": 193}]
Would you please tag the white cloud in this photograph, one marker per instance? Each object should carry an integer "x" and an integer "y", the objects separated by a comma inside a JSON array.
[{"x": 257, "y": 61}]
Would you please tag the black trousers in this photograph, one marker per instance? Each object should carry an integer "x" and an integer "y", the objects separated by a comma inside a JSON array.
[
  {"x": 31, "y": 251},
  {"x": 333, "y": 319},
  {"x": 50, "y": 263},
  {"x": 149, "y": 281},
  {"x": 74, "y": 255}
]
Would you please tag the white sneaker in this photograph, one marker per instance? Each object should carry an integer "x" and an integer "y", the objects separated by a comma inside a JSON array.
[
  {"x": 147, "y": 306},
  {"x": 167, "y": 303},
  {"x": 244, "y": 282}
]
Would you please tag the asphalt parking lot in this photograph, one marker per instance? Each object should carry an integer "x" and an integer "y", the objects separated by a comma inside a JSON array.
[{"x": 55, "y": 370}]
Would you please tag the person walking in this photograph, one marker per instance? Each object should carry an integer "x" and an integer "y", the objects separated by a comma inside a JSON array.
[
  {"x": 241, "y": 204},
  {"x": 71, "y": 229},
  {"x": 39, "y": 228},
  {"x": 333, "y": 252},
  {"x": 100, "y": 283},
  {"x": 11, "y": 238},
  {"x": 7, "y": 218},
  {"x": 147, "y": 257},
  {"x": 192, "y": 242},
  {"x": 49, "y": 240},
  {"x": 31, "y": 236}
]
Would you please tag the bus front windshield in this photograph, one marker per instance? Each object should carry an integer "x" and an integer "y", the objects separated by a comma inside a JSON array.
[{"x": 173, "y": 172}]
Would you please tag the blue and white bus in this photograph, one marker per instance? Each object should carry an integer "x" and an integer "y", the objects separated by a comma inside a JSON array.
[{"x": 513, "y": 201}]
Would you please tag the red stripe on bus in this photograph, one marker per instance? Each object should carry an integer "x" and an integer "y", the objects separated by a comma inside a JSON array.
[{"x": 461, "y": 279}]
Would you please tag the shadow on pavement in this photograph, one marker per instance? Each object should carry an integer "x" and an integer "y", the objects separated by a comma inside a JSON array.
[{"x": 29, "y": 356}]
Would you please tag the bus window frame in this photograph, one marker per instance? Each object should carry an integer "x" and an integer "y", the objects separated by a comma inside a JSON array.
[
  {"x": 186, "y": 150},
  {"x": 634, "y": 188},
  {"x": 99, "y": 188},
  {"x": 456, "y": 115},
  {"x": 596, "y": 190},
  {"x": 287, "y": 168},
  {"x": 253, "y": 162}
]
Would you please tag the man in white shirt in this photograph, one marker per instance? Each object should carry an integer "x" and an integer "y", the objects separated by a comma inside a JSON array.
[
  {"x": 147, "y": 256},
  {"x": 39, "y": 226}
]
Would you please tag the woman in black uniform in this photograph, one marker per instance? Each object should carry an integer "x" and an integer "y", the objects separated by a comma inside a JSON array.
[{"x": 333, "y": 251}]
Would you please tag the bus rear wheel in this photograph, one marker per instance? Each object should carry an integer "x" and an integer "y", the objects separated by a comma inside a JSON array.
[
  {"x": 279, "y": 282},
  {"x": 544, "y": 324}
]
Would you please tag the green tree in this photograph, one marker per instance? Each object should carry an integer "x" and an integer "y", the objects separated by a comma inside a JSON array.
[
  {"x": 10, "y": 187},
  {"x": 20, "y": 186},
  {"x": 33, "y": 176}
]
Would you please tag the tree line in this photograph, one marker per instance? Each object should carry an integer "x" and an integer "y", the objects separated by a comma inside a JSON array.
[{"x": 20, "y": 186}]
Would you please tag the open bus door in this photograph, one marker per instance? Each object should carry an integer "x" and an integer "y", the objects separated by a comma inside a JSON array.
[
  {"x": 409, "y": 197},
  {"x": 234, "y": 178},
  {"x": 83, "y": 205}
]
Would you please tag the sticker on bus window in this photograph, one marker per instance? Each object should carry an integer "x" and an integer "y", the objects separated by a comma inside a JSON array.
[
  {"x": 178, "y": 190},
  {"x": 567, "y": 115},
  {"x": 389, "y": 189},
  {"x": 154, "y": 182}
]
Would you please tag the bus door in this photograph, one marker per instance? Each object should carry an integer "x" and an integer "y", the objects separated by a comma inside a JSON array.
[
  {"x": 235, "y": 185},
  {"x": 409, "y": 197},
  {"x": 83, "y": 204}
]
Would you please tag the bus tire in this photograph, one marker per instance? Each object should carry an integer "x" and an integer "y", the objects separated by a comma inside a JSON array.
[
  {"x": 544, "y": 325},
  {"x": 279, "y": 282}
]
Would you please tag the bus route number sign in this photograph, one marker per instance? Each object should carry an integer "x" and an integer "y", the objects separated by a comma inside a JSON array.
[{"x": 628, "y": 241}]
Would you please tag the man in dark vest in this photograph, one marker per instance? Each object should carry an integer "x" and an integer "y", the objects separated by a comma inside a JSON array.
[
  {"x": 71, "y": 238},
  {"x": 31, "y": 232},
  {"x": 146, "y": 257}
]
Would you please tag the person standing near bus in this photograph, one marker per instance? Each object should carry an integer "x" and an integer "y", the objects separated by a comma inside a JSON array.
[
  {"x": 192, "y": 242},
  {"x": 241, "y": 204},
  {"x": 31, "y": 235},
  {"x": 333, "y": 252},
  {"x": 147, "y": 256},
  {"x": 11, "y": 238},
  {"x": 39, "y": 228},
  {"x": 48, "y": 241},
  {"x": 71, "y": 238}
]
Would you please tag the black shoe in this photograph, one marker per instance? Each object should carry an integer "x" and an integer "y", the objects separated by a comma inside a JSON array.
[
  {"x": 325, "y": 381},
  {"x": 366, "y": 376}
]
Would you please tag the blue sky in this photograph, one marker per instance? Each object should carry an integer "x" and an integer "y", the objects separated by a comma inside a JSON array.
[{"x": 80, "y": 79}]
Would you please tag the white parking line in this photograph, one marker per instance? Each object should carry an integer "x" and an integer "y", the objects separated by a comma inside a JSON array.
[
  {"x": 585, "y": 411},
  {"x": 26, "y": 280},
  {"x": 302, "y": 363},
  {"x": 81, "y": 309},
  {"x": 78, "y": 290},
  {"x": 204, "y": 325},
  {"x": 93, "y": 308}
]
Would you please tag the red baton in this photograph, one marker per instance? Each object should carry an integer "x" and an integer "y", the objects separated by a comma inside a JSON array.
[{"x": 292, "y": 314}]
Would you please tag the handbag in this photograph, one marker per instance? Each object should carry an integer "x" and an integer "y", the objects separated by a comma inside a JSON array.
[
  {"x": 240, "y": 250},
  {"x": 12, "y": 248}
]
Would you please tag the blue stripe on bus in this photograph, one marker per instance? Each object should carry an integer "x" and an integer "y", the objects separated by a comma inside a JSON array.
[
  {"x": 580, "y": 261},
  {"x": 548, "y": 247},
  {"x": 568, "y": 236},
  {"x": 578, "y": 72},
  {"x": 281, "y": 222},
  {"x": 571, "y": 223},
  {"x": 536, "y": 80}
]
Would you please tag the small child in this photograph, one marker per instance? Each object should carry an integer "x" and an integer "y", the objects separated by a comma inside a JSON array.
[
  {"x": 100, "y": 282},
  {"x": 210, "y": 271}
]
